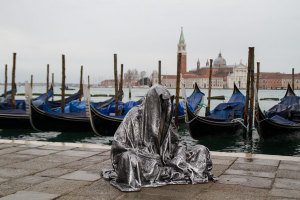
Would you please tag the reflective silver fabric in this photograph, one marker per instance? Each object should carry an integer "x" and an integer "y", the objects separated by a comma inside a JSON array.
[{"x": 147, "y": 151}]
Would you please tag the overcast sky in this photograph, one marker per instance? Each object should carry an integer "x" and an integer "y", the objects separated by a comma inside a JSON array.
[{"x": 89, "y": 32}]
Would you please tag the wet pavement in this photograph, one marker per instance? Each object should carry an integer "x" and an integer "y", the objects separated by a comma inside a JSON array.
[{"x": 45, "y": 170}]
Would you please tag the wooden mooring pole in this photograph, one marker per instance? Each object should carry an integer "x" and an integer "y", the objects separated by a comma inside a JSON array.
[
  {"x": 252, "y": 92},
  {"x": 293, "y": 79},
  {"x": 177, "y": 87},
  {"x": 207, "y": 112},
  {"x": 47, "y": 85},
  {"x": 129, "y": 88},
  {"x": 5, "y": 81},
  {"x": 31, "y": 81},
  {"x": 121, "y": 81},
  {"x": 13, "y": 82},
  {"x": 247, "y": 92},
  {"x": 80, "y": 84},
  {"x": 159, "y": 72},
  {"x": 116, "y": 84},
  {"x": 53, "y": 86},
  {"x": 63, "y": 84},
  {"x": 257, "y": 76},
  {"x": 89, "y": 81}
]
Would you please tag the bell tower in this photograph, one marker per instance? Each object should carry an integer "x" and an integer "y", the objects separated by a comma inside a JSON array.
[
  {"x": 198, "y": 65},
  {"x": 182, "y": 49}
]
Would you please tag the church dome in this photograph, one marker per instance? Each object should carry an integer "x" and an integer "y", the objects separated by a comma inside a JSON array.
[{"x": 220, "y": 61}]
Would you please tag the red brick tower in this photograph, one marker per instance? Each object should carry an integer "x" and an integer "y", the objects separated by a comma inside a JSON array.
[{"x": 182, "y": 49}]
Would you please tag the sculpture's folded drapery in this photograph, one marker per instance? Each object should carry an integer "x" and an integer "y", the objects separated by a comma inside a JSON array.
[{"x": 147, "y": 151}]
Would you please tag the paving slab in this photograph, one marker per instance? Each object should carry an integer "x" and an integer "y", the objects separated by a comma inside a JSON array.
[
  {"x": 77, "y": 153},
  {"x": 99, "y": 150},
  {"x": 105, "y": 153},
  {"x": 145, "y": 196},
  {"x": 187, "y": 191},
  {"x": 257, "y": 161},
  {"x": 57, "y": 158},
  {"x": 17, "y": 157},
  {"x": 10, "y": 150},
  {"x": 21, "y": 195},
  {"x": 58, "y": 148},
  {"x": 237, "y": 190},
  {"x": 32, "y": 179},
  {"x": 54, "y": 172},
  {"x": 286, "y": 166},
  {"x": 249, "y": 181},
  {"x": 251, "y": 167},
  {"x": 101, "y": 189},
  {"x": 14, "y": 173},
  {"x": 291, "y": 174},
  {"x": 79, "y": 164},
  {"x": 30, "y": 145},
  {"x": 3, "y": 146},
  {"x": 285, "y": 193},
  {"x": 250, "y": 173},
  {"x": 58, "y": 186},
  {"x": 3, "y": 180},
  {"x": 34, "y": 164},
  {"x": 219, "y": 169},
  {"x": 10, "y": 187},
  {"x": 96, "y": 158},
  {"x": 11, "y": 158},
  {"x": 222, "y": 162},
  {"x": 82, "y": 176},
  {"x": 40, "y": 152},
  {"x": 285, "y": 183}
]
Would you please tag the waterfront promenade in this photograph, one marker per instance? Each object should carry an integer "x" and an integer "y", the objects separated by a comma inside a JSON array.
[{"x": 45, "y": 170}]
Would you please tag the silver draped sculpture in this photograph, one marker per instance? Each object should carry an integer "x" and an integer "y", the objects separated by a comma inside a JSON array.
[{"x": 147, "y": 150}]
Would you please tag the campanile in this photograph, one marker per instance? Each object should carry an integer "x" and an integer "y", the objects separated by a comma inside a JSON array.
[{"x": 182, "y": 49}]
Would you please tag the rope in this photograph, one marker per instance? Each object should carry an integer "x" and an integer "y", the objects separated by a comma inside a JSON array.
[
  {"x": 241, "y": 121},
  {"x": 190, "y": 120},
  {"x": 202, "y": 105}
]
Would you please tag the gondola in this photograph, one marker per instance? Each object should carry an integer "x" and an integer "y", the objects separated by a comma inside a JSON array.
[
  {"x": 42, "y": 119},
  {"x": 18, "y": 118},
  {"x": 216, "y": 123},
  {"x": 194, "y": 100},
  {"x": 106, "y": 125},
  {"x": 281, "y": 119}
]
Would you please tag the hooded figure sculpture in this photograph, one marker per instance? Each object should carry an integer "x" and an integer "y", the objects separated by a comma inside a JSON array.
[{"x": 147, "y": 151}]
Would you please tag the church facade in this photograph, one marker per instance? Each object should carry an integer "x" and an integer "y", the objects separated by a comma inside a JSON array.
[{"x": 223, "y": 75}]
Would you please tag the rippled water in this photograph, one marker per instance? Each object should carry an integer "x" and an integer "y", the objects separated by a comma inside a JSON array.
[{"x": 288, "y": 145}]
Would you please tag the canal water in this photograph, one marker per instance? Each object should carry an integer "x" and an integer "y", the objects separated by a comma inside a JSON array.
[{"x": 285, "y": 145}]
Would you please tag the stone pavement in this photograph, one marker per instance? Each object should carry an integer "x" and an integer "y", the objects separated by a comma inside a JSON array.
[{"x": 44, "y": 170}]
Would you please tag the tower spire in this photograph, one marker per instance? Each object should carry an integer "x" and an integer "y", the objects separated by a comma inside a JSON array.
[
  {"x": 181, "y": 39},
  {"x": 182, "y": 49}
]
